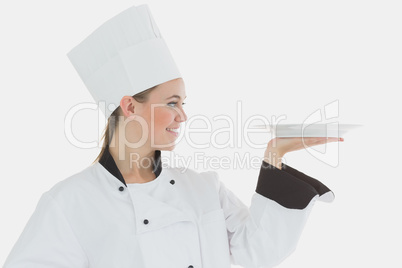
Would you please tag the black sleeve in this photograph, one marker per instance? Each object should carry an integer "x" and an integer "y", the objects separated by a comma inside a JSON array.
[{"x": 289, "y": 187}]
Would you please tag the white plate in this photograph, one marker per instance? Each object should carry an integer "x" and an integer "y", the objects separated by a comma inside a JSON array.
[{"x": 312, "y": 130}]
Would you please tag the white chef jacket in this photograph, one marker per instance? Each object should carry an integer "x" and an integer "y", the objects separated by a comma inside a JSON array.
[{"x": 181, "y": 219}]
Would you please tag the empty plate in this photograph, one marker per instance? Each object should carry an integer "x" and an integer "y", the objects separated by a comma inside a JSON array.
[{"x": 306, "y": 130}]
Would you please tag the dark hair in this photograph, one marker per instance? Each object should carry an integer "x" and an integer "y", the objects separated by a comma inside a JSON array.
[{"x": 112, "y": 122}]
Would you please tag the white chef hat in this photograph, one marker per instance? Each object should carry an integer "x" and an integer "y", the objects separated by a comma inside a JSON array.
[{"x": 124, "y": 56}]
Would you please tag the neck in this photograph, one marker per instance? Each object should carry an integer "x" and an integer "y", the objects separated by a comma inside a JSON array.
[{"x": 136, "y": 165}]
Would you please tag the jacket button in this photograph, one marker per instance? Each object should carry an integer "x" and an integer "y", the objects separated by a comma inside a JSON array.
[
  {"x": 121, "y": 188},
  {"x": 146, "y": 221},
  {"x": 172, "y": 182}
]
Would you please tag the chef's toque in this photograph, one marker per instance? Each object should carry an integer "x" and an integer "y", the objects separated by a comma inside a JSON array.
[{"x": 124, "y": 56}]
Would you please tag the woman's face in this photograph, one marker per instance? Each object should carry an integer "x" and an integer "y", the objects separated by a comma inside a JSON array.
[{"x": 163, "y": 113}]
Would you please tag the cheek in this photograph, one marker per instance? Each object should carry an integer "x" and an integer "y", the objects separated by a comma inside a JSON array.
[{"x": 163, "y": 119}]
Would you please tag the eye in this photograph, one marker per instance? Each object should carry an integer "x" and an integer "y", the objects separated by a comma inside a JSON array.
[{"x": 174, "y": 103}]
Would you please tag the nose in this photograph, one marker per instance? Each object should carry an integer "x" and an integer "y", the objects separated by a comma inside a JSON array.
[{"x": 181, "y": 116}]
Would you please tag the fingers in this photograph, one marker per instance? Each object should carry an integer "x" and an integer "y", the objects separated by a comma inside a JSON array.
[
  {"x": 311, "y": 141},
  {"x": 335, "y": 139},
  {"x": 289, "y": 144}
]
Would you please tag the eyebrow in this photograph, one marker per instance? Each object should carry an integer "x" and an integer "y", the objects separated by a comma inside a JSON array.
[{"x": 176, "y": 96}]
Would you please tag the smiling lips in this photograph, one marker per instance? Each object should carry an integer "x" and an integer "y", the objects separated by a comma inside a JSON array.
[{"x": 174, "y": 131}]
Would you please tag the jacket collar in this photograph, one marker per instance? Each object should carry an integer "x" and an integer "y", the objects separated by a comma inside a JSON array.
[{"x": 109, "y": 164}]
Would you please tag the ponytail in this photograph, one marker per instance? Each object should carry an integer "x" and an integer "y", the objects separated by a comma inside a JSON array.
[{"x": 112, "y": 122}]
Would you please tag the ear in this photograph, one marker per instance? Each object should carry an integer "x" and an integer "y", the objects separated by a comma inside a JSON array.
[{"x": 127, "y": 105}]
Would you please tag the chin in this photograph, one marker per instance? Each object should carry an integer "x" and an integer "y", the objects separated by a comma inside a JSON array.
[
  {"x": 171, "y": 148},
  {"x": 167, "y": 148}
]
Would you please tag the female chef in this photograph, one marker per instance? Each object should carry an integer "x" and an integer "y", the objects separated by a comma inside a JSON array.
[{"x": 121, "y": 213}]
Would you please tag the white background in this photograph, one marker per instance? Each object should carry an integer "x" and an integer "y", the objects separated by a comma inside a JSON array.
[{"x": 275, "y": 57}]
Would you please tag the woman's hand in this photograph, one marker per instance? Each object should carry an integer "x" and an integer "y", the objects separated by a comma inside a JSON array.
[{"x": 278, "y": 147}]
